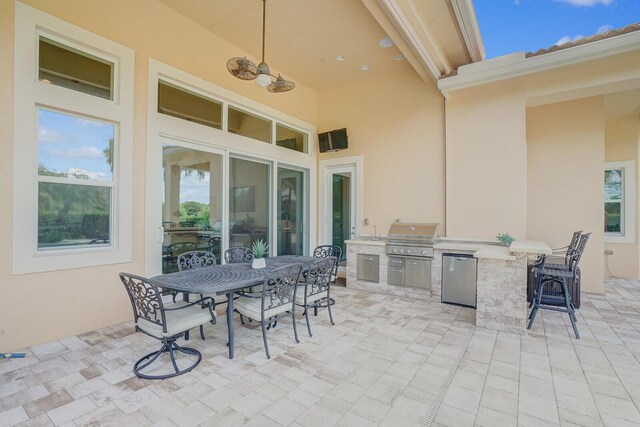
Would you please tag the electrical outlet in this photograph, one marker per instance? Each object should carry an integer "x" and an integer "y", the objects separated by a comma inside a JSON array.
[{"x": 608, "y": 252}]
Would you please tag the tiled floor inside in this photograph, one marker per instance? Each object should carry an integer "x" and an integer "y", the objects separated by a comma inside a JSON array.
[{"x": 387, "y": 361}]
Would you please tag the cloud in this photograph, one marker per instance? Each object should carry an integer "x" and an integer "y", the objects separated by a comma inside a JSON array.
[
  {"x": 82, "y": 152},
  {"x": 49, "y": 135},
  {"x": 567, "y": 39},
  {"x": 72, "y": 172},
  {"x": 604, "y": 29},
  {"x": 588, "y": 3}
]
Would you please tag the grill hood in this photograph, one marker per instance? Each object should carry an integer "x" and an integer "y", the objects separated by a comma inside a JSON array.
[{"x": 412, "y": 232}]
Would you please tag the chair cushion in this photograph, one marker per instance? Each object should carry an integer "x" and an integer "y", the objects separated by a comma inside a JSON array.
[
  {"x": 178, "y": 321},
  {"x": 252, "y": 307},
  {"x": 310, "y": 298}
]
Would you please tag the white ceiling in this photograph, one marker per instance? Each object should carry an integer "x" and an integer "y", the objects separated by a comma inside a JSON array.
[{"x": 303, "y": 37}]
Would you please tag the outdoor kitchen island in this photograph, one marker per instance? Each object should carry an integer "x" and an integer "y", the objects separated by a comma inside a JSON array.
[{"x": 501, "y": 302}]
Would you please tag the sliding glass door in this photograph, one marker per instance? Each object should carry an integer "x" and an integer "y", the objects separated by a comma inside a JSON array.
[
  {"x": 249, "y": 207},
  {"x": 291, "y": 188},
  {"x": 192, "y": 203}
]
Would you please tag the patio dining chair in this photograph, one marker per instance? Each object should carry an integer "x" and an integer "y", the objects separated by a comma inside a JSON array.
[
  {"x": 276, "y": 299},
  {"x": 325, "y": 251},
  {"x": 315, "y": 291},
  {"x": 552, "y": 291},
  {"x": 240, "y": 255},
  {"x": 166, "y": 323},
  {"x": 193, "y": 260},
  {"x": 237, "y": 255}
]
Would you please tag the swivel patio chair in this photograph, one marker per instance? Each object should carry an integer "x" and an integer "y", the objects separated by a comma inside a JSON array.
[
  {"x": 552, "y": 291},
  {"x": 276, "y": 299},
  {"x": 166, "y": 323},
  {"x": 315, "y": 291},
  {"x": 237, "y": 255},
  {"x": 325, "y": 251}
]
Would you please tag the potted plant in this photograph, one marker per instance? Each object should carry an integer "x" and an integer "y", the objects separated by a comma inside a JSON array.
[
  {"x": 505, "y": 239},
  {"x": 260, "y": 250}
]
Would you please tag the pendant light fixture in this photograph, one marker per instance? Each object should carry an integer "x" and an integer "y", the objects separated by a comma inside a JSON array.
[{"x": 245, "y": 69}]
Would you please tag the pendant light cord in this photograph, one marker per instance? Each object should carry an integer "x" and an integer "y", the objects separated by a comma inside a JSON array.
[{"x": 264, "y": 14}]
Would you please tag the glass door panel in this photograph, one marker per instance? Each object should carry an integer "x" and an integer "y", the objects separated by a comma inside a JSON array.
[
  {"x": 248, "y": 202},
  {"x": 290, "y": 212},
  {"x": 192, "y": 203},
  {"x": 341, "y": 211}
]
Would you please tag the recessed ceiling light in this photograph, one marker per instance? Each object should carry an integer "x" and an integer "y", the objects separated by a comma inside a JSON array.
[
  {"x": 385, "y": 42},
  {"x": 365, "y": 68},
  {"x": 399, "y": 57},
  {"x": 340, "y": 58}
]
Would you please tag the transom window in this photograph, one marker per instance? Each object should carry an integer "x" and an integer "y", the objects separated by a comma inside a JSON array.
[{"x": 72, "y": 69}]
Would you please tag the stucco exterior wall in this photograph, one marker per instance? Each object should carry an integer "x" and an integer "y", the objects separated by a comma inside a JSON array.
[
  {"x": 36, "y": 308},
  {"x": 397, "y": 125},
  {"x": 565, "y": 154},
  {"x": 622, "y": 142},
  {"x": 486, "y": 162}
]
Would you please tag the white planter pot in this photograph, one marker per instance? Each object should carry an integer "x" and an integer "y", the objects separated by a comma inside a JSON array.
[{"x": 258, "y": 263}]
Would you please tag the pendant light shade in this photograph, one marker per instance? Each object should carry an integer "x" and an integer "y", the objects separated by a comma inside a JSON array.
[{"x": 245, "y": 69}]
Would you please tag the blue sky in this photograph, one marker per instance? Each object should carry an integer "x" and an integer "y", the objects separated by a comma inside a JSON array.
[
  {"x": 73, "y": 144},
  {"x": 509, "y": 26}
]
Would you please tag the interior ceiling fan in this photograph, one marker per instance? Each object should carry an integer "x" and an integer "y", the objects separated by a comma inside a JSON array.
[{"x": 246, "y": 69}]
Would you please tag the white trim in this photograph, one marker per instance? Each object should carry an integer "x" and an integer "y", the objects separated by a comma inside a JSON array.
[
  {"x": 209, "y": 139},
  {"x": 629, "y": 203},
  {"x": 394, "y": 10},
  {"x": 468, "y": 23},
  {"x": 31, "y": 23},
  {"x": 515, "y": 65},
  {"x": 326, "y": 168}
]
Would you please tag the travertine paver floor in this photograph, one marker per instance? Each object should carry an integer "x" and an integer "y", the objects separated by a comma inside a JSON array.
[{"x": 388, "y": 361}]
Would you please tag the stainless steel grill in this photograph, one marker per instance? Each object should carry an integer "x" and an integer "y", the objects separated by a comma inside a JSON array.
[{"x": 411, "y": 239}]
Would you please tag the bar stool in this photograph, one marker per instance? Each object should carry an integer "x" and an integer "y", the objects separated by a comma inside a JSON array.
[{"x": 552, "y": 292}]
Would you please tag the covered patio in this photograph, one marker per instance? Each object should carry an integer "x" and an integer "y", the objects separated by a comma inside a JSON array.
[{"x": 387, "y": 361}]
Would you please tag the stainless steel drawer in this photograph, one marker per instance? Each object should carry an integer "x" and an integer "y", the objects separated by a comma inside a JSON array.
[
  {"x": 369, "y": 267},
  {"x": 395, "y": 275}
]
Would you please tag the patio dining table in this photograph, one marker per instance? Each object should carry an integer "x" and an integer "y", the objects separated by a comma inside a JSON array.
[{"x": 226, "y": 280}]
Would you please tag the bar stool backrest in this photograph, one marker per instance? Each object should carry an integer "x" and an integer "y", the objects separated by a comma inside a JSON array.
[
  {"x": 572, "y": 246},
  {"x": 577, "y": 254}
]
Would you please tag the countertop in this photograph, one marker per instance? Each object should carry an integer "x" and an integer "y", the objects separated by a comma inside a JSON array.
[
  {"x": 481, "y": 248},
  {"x": 382, "y": 241}
]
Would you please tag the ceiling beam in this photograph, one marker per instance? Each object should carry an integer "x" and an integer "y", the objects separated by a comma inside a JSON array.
[{"x": 468, "y": 23}]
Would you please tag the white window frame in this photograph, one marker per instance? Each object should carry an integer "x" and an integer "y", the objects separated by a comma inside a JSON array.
[
  {"x": 162, "y": 128},
  {"x": 628, "y": 209},
  {"x": 31, "y": 95}
]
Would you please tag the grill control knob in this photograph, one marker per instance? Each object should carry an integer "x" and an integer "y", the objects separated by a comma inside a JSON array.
[
  {"x": 394, "y": 250},
  {"x": 401, "y": 251},
  {"x": 408, "y": 251},
  {"x": 424, "y": 252}
]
